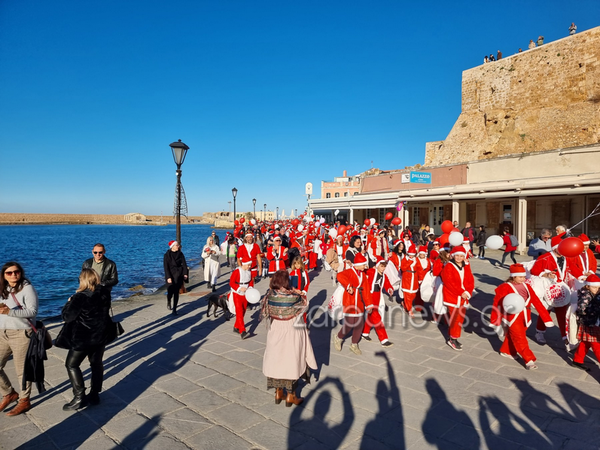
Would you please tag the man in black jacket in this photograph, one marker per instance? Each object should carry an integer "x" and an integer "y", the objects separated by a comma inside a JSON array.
[{"x": 104, "y": 267}]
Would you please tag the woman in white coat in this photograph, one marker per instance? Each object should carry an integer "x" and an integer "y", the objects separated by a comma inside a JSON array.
[{"x": 212, "y": 267}]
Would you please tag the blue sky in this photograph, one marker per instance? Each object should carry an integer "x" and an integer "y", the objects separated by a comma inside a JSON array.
[{"x": 268, "y": 95}]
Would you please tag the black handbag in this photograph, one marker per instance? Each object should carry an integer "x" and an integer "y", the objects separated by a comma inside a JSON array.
[{"x": 114, "y": 329}]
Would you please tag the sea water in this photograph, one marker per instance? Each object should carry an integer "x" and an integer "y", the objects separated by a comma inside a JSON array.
[{"x": 52, "y": 255}]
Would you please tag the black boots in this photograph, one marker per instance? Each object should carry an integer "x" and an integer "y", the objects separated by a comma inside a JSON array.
[{"x": 78, "y": 401}]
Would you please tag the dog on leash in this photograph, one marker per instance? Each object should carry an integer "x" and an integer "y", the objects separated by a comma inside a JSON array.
[{"x": 218, "y": 301}]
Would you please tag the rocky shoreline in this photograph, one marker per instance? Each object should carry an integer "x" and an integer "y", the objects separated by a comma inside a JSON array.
[{"x": 95, "y": 219}]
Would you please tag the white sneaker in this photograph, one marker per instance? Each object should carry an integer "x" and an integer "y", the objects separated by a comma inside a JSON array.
[
  {"x": 531, "y": 365},
  {"x": 475, "y": 256},
  {"x": 337, "y": 343},
  {"x": 539, "y": 337}
]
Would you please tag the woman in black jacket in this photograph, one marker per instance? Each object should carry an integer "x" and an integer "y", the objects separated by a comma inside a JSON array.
[
  {"x": 85, "y": 333},
  {"x": 176, "y": 271}
]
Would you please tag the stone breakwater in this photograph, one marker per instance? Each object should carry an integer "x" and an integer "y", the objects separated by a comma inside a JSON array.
[{"x": 89, "y": 219}]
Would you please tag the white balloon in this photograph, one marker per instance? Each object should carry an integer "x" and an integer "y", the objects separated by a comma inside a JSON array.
[
  {"x": 337, "y": 211},
  {"x": 372, "y": 221},
  {"x": 455, "y": 238},
  {"x": 300, "y": 227},
  {"x": 513, "y": 304},
  {"x": 322, "y": 220},
  {"x": 252, "y": 295},
  {"x": 253, "y": 222},
  {"x": 333, "y": 233},
  {"x": 317, "y": 224},
  {"x": 494, "y": 242}
]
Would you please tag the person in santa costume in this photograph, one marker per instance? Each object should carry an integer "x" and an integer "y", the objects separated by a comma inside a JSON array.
[
  {"x": 411, "y": 272},
  {"x": 354, "y": 248},
  {"x": 277, "y": 256},
  {"x": 584, "y": 265},
  {"x": 588, "y": 316},
  {"x": 515, "y": 325},
  {"x": 378, "y": 282},
  {"x": 250, "y": 251},
  {"x": 356, "y": 300},
  {"x": 458, "y": 285},
  {"x": 435, "y": 251},
  {"x": 240, "y": 280},
  {"x": 379, "y": 246},
  {"x": 556, "y": 267},
  {"x": 424, "y": 261}
]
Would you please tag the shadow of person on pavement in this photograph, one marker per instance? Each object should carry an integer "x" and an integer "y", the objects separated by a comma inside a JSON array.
[
  {"x": 138, "y": 352},
  {"x": 435, "y": 423},
  {"x": 320, "y": 425},
  {"x": 320, "y": 329},
  {"x": 383, "y": 428}
]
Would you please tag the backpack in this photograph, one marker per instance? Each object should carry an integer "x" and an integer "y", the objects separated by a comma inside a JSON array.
[{"x": 514, "y": 241}]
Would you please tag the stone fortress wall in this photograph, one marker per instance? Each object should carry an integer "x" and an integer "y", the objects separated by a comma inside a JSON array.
[{"x": 542, "y": 99}]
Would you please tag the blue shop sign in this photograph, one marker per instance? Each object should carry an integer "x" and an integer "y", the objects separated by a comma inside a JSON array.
[{"x": 420, "y": 177}]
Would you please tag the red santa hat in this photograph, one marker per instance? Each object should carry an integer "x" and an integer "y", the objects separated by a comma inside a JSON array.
[
  {"x": 359, "y": 260},
  {"x": 436, "y": 242},
  {"x": 249, "y": 233},
  {"x": 396, "y": 242},
  {"x": 380, "y": 260},
  {"x": 517, "y": 270},
  {"x": 412, "y": 250},
  {"x": 466, "y": 241},
  {"x": 381, "y": 231},
  {"x": 277, "y": 238},
  {"x": 585, "y": 239},
  {"x": 245, "y": 260},
  {"x": 458, "y": 250},
  {"x": 556, "y": 240},
  {"x": 423, "y": 249},
  {"x": 172, "y": 243},
  {"x": 592, "y": 280}
]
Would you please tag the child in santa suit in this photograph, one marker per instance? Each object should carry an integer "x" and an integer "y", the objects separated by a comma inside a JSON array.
[
  {"x": 250, "y": 250},
  {"x": 240, "y": 281},
  {"x": 556, "y": 267},
  {"x": 356, "y": 300},
  {"x": 378, "y": 283},
  {"x": 411, "y": 271},
  {"x": 277, "y": 256},
  {"x": 516, "y": 325},
  {"x": 584, "y": 265},
  {"x": 588, "y": 316},
  {"x": 458, "y": 285}
]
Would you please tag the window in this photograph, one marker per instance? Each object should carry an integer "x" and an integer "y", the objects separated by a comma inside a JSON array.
[
  {"x": 337, "y": 194},
  {"x": 345, "y": 194},
  {"x": 356, "y": 193},
  {"x": 328, "y": 195}
]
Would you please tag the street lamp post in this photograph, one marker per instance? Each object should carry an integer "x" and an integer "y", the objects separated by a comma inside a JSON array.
[
  {"x": 254, "y": 204},
  {"x": 277, "y": 215},
  {"x": 234, "y": 192},
  {"x": 264, "y": 212},
  {"x": 179, "y": 150}
]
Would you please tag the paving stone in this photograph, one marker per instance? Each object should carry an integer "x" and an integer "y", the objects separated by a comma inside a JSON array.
[
  {"x": 101, "y": 442},
  {"x": 194, "y": 372},
  {"x": 204, "y": 401},
  {"x": 273, "y": 436},
  {"x": 249, "y": 396},
  {"x": 445, "y": 366},
  {"x": 156, "y": 405},
  {"x": 488, "y": 377},
  {"x": 228, "y": 367},
  {"x": 160, "y": 441},
  {"x": 135, "y": 427},
  {"x": 176, "y": 387},
  {"x": 184, "y": 423},
  {"x": 236, "y": 417}
]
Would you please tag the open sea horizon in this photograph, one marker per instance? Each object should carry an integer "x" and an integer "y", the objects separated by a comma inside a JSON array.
[{"x": 52, "y": 255}]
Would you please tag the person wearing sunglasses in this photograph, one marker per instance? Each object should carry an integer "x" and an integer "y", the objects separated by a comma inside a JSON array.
[
  {"x": 18, "y": 308},
  {"x": 104, "y": 267}
]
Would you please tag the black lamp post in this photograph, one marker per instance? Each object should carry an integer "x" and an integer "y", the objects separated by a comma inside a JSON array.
[
  {"x": 277, "y": 216},
  {"x": 234, "y": 192},
  {"x": 254, "y": 203},
  {"x": 179, "y": 150},
  {"x": 264, "y": 212}
]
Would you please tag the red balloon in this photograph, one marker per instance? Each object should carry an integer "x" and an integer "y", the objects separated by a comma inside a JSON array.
[
  {"x": 341, "y": 230},
  {"x": 443, "y": 240},
  {"x": 447, "y": 226},
  {"x": 389, "y": 216},
  {"x": 455, "y": 229},
  {"x": 367, "y": 222},
  {"x": 295, "y": 222},
  {"x": 312, "y": 216},
  {"x": 242, "y": 220},
  {"x": 236, "y": 223},
  {"x": 570, "y": 247},
  {"x": 396, "y": 221}
]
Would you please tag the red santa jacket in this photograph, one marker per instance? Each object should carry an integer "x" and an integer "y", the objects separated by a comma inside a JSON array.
[
  {"x": 456, "y": 282},
  {"x": 355, "y": 303},
  {"x": 395, "y": 260},
  {"x": 548, "y": 262},
  {"x": 586, "y": 262},
  {"x": 244, "y": 254},
  {"x": 240, "y": 278},
  {"x": 277, "y": 258},
  {"x": 299, "y": 280},
  {"x": 411, "y": 270},
  {"x": 377, "y": 283},
  {"x": 437, "y": 267},
  {"x": 500, "y": 316},
  {"x": 379, "y": 247},
  {"x": 425, "y": 267}
]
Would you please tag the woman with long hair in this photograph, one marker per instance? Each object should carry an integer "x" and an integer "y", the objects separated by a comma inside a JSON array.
[
  {"x": 85, "y": 334},
  {"x": 18, "y": 308},
  {"x": 288, "y": 354}
]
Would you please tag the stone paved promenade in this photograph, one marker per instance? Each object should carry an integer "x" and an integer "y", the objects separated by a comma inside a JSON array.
[{"x": 190, "y": 382}]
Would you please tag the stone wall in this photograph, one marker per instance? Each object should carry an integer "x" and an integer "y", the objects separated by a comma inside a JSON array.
[{"x": 542, "y": 99}]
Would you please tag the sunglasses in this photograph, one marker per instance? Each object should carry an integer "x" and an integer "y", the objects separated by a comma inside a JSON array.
[
  {"x": 98, "y": 253},
  {"x": 13, "y": 272}
]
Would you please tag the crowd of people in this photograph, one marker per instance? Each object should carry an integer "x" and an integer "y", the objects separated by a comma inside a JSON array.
[
  {"x": 532, "y": 44},
  {"x": 412, "y": 266}
]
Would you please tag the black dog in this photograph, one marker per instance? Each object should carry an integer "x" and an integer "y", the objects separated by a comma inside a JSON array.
[{"x": 218, "y": 301}]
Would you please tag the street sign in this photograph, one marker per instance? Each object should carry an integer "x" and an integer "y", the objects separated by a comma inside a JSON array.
[
  {"x": 308, "y": 189},
  {"x": 406, "y": 178}
]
